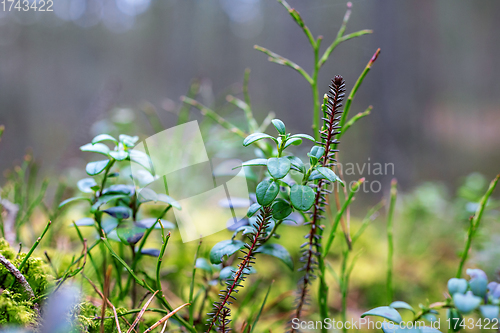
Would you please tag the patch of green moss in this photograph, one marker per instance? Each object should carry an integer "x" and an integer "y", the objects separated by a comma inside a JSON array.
[
  {"x": 87, "y": 322},
  {"x": 14, "y": 310},
  {"x": 36, "y": 272},
  {"x": 15, "y": 306}
]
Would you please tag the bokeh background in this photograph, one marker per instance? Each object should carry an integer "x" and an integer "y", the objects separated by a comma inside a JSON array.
[{"x": 434, "y": 89}]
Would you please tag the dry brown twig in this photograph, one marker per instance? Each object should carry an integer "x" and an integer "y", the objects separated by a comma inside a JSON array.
[
  {"x": 165, "y": 319},
  {"x": 139, "y": 316},
  {"x": 107, "y": 301}
]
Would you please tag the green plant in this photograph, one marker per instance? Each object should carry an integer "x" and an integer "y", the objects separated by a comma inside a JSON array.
[
  {"x": 277, "y": 197},
  {"x": 116, "y": 215},
  {"x": 463, "y": 298}
]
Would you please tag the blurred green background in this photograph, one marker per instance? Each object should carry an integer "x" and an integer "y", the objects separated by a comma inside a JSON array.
[{"x": 434, "y": 88}]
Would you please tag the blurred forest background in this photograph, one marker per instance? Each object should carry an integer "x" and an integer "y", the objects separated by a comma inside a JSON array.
[{"x": 434, "y": 88}]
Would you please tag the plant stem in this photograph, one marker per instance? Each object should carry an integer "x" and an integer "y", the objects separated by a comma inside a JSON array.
[
  {"x": 20, "y": 278},
  {"x": 314, "y": 87},
  {"x": 474, "y": 223},
  {"x": 30, "y": 252},
  {"x": 335, "y": 225},
  {"x": 390, "y": 242},
  {"x": 105, "y": 177},
  {"x": 191, "y": 287}
]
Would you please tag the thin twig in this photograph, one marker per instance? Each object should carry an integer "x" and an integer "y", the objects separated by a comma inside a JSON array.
[
  {"x": 165, "y": 319},
  {"x": 20, "y": 278},
  {"x": 107, "y": 301},
  {"x": 139, "y": 316},
  {"x": 105, "y": 296}
]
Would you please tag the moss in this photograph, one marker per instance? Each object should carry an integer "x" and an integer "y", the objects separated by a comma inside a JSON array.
[
  {"x": 36, "y": 272},
  {"x": 15, "y": 307},
  {"x": 87, "y": 322},
  {"x": 14, "y": 310}
]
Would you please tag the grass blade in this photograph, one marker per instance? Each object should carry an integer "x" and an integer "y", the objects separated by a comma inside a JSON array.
[{"x": 261, "y": 308}]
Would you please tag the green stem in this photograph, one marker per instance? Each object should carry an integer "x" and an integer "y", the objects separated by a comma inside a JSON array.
[
  {"x": 106, "y": 172},
  {"x": 314, "y": 88},
  {"x": 143, "y": 283},
  {"x": 354, "y": 90},
  {"x": 390, "y": 241},
  {"x": 30, "y": 252},
  {"x": 191, "y": 287},
  {"x": 474, "y": 223},
  {"x": 339, "y": 215}
]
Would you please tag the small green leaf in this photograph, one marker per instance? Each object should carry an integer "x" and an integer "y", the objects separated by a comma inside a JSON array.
[
  {"x": 293, "y": 141},
  {"x": 316, "y": 151},
  {"x": 402, "y": 305},
  {"x": 104, "y": 137},
  {"x": 99, "y": 148},
  {"x": 67, "y": 201},
  {"x": 278, "y": 167},
  {"x": 254, "y": 162},
  {"x": 140, "y": 158},
  {"x": 489, "y": 311},
  {"x": 129, "y": 232},
  {"x": 266, "y": 191},
  {"x": 246, "y": 229},
  {"x": 95, "y": 168},
  {"x": 278, "y": 251},
  {"x": 87, "y": 185},
  {"x": 119, "y": 212},
  {"x": 281, "y": 209},
  {"x": 148, "y": 223},
  {"x": 457, "y": 286},
  {"x": 120, "y": 188},
  {"x": 203, "y": 264},
  {"x": 384, "y": 312},
  {"x": 119, "y": 155},
  {"x": 85, "y": 222},
  {"x": 303, "y": 136},
  {"x": 478, "y": 286},
  {"x": 128, "y": 141},
  {"x": 151, "y": 252},
  {"x": 256, "y": 137},
  {"x": 105, "y": 198},
  {"x": 227, "y": 273},
  {"x": 147, "y": 195},
  {"x": 302, "y": 197},
  {"x": 466, "y": 303},
  {"x": 254, "y": 208},
  {"x": 297, "y": 164},
  {"x": 167, "y": 199},
  {"x": 329, "y": 174},
  {"x": 224, "y": 248},
  {"x": 280, "y": 126}
]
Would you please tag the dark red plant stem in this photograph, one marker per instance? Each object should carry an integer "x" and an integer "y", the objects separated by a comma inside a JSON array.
[{"x": 246, "y": 261}]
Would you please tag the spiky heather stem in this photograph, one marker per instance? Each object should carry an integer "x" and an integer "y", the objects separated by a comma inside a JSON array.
[
  {"x": 221, "y": 308},
  {"x": 313, "y": 243}
]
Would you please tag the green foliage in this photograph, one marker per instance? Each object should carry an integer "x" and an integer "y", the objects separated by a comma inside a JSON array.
[{"x": 15, "y": 309}]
